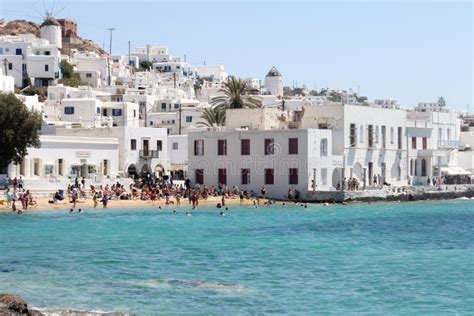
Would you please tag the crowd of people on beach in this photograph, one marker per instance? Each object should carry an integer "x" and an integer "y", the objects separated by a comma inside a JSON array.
[{"x": 17, "y": 193}]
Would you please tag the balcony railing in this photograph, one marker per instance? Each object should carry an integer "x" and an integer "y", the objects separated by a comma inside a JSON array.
[
  {"x": 149, "y": 153},
  {"x": 448, "y": 144}
]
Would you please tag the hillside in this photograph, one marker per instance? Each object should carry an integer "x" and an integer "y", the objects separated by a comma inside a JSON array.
[{"x": 22, "y": 26}]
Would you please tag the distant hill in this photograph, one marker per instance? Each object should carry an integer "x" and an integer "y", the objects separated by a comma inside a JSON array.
[{"x": 17, "y": 27}]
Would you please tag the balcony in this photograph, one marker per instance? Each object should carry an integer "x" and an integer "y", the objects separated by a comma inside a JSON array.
[
  {"x": 448, "y": 144},
  {"x": 147, "y": 154}
]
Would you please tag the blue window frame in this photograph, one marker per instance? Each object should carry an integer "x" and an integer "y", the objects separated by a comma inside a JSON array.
[
  {"x": 98, "y": 110},
  {"x": 18, "y": 51},
  {"x": 68, "y": 110},
  {"x": 116, "y": 112}
]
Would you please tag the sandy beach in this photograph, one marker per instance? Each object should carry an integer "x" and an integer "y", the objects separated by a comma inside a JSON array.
[{"x": 44, "y": 205}]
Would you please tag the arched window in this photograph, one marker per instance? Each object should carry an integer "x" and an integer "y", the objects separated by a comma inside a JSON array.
[
  {"x": 412, "y": 167},
  {"x": 416, "y": 173},
  {"x": 423, "y": 168}
]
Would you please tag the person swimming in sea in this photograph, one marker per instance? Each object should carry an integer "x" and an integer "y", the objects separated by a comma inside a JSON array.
[
  {"x": 222, "y": 213},
  {"x": 174, "y": 211},
  {"x": 283, "y": 204},
  {"x": 189, "y": 214},
  {"x": 219, "y": 205}
]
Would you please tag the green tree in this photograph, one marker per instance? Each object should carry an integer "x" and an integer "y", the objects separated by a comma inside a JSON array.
[
  {"x": 237, "y": 95},
  {"x": 20, "y": 129},
  {"x": 212, "y": 117},
  {"x": 67, "y": 69},
  {"x": 70, "y": 78},
  {"x": 145, "y": 65}
]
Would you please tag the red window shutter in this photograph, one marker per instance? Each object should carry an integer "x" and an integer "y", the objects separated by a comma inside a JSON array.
[
  {"x": 293, "y": 146},
  {"x": 269, "y": 146},
  {"x": 245, "y": 174},
  {"x": 222, "y": 147},
  {"x": 269, "y": 176},
  {"x": 245, "y": 146},
  {"x": 199, "y": 176},
  {"x": 222, "y": 176},
  {"x": 293, "y": 176}
]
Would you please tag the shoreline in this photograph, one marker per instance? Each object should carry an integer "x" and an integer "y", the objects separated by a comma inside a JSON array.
[{"x": 43, "y": 205}]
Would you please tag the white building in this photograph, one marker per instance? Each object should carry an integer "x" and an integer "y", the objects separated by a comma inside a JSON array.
[
  {"x": 140, "y": 149},
  {"x": 178, "y": 156},
  {"x": 7, "y": 83},
  {"x": 30, "y": 60},
  {"x": 433, "y": 143},
  {"x": 276, "y": 160},
  {"x": 61, "y": 158},
  {"x": 372, "y": 141}
]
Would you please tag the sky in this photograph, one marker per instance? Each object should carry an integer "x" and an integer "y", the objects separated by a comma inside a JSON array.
[{"x": 407, "y": 50}]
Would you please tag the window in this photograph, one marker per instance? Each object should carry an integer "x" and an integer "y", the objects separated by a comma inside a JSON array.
[
  {"x": 324, "y": 176},
  {"x": 46, "y": 67},
  {"x": 384, "y": 137},
  {"x": 222, "y": 176},
  {"x": 361, "y": 132},
  {"x": 352, "y": 135},
  {"x": 376, "y": 134},
  {"x": 133, "y": 144},
  {"x": 159, "y": 145},
  {"x": 18, "y": 51},
  {"x": 392, "y": 135},
  {"x": 98, "y": 110},
  {"x": 448, "y": 134},
  {"x": 245, "y": 176},
  {"x": 134, "y": 113},
  {"x": 370, "y": 132},
  {"x": 293, "y": 146},
  {"x": 151, "y": 123},
  {"x": 425, "y": 143},
  {"x": 10, "y": 66},
  {"x": 423, "y": 168},
  {"x": 68, "y": 110},
  {"x": 116, "y": 112},
  {"x": 175, "y": 146},
  {"x": 176, "y": 106},
  {"x": 400, "y": 137},
  {"x": 324, "y": 147},
  {"x": 189, "y": 119},
  {"x": 413, "y": 142},
  {"x": 198, "y": 148},
  {"x": 269, "y": 176},
  {"x": 293, "y": 176},
  {"x": 47, "y": 53},
  {"x": 199, "y": 176},
  {"x": 245, "y": 147},
  {"x": 163, "y": 106},
  {"x": 222, "y": 147},
  {"x": 1, "y": 50},
  {"x": 88, "y": 75},
  {"x": 269, "y": 146}
]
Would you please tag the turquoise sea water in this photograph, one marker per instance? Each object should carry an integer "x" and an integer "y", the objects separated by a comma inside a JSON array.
[{"x": 410, "y": 258}]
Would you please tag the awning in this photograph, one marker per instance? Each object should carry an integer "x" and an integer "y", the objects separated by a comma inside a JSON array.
[{"x": 453, "y": 171}]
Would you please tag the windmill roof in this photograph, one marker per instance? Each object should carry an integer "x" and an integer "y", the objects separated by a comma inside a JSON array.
[
  {"x": 49, "y": 20},
  {"x": 273, "y": 73}
]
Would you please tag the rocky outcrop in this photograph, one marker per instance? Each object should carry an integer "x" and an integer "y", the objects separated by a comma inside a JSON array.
[{"x": 12, "y": 305}]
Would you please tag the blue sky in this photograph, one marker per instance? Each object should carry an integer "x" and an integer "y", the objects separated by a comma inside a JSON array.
[{"x": 408, "y": 51}]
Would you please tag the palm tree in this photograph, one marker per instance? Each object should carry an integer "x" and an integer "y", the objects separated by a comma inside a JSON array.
[
  {"x": 237, "y": 95},
  {"x": 213, "y": 117}
]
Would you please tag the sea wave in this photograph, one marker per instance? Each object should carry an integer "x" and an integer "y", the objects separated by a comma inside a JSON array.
[
  {"x": 192, "y": 284},
  {"x": 74, "y": 312}
]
